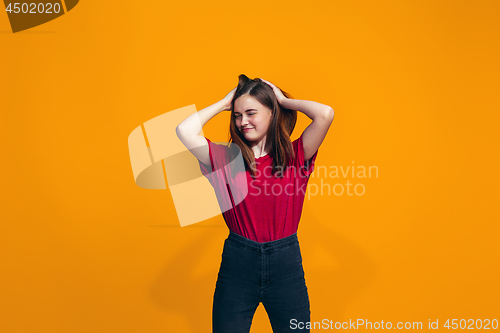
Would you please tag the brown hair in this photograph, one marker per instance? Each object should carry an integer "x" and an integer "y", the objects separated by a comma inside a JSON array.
[{"x": 282, "y": 123}]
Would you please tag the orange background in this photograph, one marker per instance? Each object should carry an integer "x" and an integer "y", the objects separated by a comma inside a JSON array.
[{"x": 414, "y": 86}]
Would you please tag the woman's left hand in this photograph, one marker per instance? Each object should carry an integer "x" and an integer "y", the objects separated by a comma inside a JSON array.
[{"x": 279, "y": 95}]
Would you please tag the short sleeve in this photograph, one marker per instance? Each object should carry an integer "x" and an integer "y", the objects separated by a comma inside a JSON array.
[
  {"x": 305, "y": 168},
  {"x": 227, "y": 190},
  {"x": 219, "y": 157}
]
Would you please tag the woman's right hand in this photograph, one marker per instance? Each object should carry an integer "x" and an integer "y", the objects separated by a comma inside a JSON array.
[{"x": 227, "y": 100}]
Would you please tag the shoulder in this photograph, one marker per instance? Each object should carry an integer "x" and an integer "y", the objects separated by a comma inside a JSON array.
[{"x": 222, "y": 153}]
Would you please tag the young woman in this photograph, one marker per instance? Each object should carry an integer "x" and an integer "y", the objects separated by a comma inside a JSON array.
[{"x": 261, "y": 259}]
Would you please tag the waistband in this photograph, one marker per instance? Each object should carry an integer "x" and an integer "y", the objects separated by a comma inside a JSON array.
[{"x": 266, "y": 246}]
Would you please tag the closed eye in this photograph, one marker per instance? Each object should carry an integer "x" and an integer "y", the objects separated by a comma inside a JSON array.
[{"x": 239, "y": 115}]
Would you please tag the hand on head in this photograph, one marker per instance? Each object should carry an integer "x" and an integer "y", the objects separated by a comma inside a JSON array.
[{"x": 279, "y": 95}]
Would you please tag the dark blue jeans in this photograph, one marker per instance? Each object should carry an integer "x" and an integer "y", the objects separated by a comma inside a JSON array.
[{"x": 251, "y": 273}]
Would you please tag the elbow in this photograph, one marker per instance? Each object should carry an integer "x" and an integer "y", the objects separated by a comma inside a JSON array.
[
  {"x": 329, "y": 114},
  {"x": 178, "y": 131}
]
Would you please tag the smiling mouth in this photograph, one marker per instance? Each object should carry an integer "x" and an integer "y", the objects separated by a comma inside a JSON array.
[{"x": 246, "y": 129}]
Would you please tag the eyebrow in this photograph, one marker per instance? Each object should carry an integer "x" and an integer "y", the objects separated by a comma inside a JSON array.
[{"x": 247, "y": 110}]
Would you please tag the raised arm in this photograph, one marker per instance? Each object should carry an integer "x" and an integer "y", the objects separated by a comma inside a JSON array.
[
  {"x": 321, "y": 115},
  {"x": 188, "y": 131}
]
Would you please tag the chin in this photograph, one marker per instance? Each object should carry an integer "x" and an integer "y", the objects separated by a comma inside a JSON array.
[{"x": 249, "y": 137}]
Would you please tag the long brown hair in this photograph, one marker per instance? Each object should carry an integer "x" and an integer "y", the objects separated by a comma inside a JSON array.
[{"x": 282, "y": 122}]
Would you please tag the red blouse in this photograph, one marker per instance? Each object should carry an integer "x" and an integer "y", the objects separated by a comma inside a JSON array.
[{"x": 264, "y": 208}]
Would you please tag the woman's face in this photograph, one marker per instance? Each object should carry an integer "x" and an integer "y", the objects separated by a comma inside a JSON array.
[{"x": 251, "y": 117}]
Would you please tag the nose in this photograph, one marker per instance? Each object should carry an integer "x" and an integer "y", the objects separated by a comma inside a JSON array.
[{"x": 244, "y": 121}]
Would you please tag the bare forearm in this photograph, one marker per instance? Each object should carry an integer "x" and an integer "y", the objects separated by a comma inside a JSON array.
[
  {"x": 193, "y": 124},
  {"x": 309, "y": 108}
]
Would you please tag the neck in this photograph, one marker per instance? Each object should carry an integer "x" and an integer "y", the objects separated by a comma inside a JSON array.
[{"x": 258, "y": 147}]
